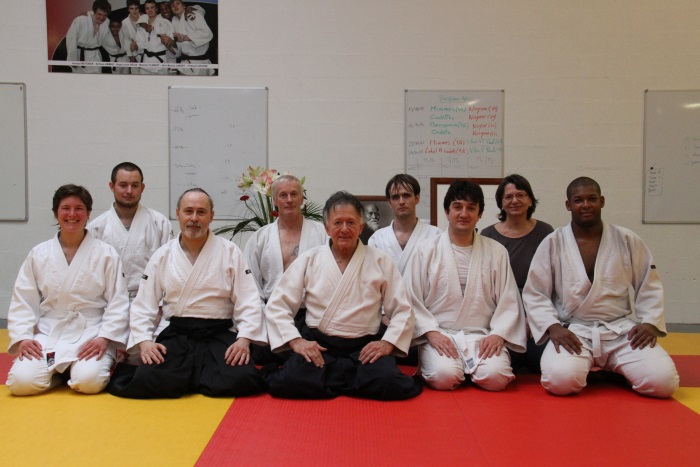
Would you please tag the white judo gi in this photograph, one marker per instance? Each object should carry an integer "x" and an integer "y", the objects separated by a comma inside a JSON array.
[
  {"x": 117, "y": 52},
  {"x": 64, "y": 306},
  {"x": 193, "y": 51},
  {"x": 490, "y": 305},
  {"x": 264, "y": 252},
  {"x": 129, "y": 31},
  {"x": 347, "y": 304},
  {"x": 149, "y": 231},
  {"x": 385, "y": 240},
  {"x": 218, "y": 286},
  {"x": 81, "y": 41},
  {"x": 558, "y": 291},
  {"x": 151, "y": 48}
]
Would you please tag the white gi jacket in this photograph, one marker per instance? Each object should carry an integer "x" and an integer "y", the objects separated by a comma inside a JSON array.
[
  {"x": 81, "y": 34},
  {"x": 63, "y": 306},
  {"x": 385, "y": 240},
  {"x": 264, "y": 252},
  {"x": 558, "y": 289},
  {"x": 491, "y": 301},
  {"x": 345, "y": 305},
  {"x": 117, "y": 52},
  {"x": 218, "y": 286},
  {"x": 150, "y": 42},
  {"x": 129, "y": 31},
  {"x": 149, "y": 231}
]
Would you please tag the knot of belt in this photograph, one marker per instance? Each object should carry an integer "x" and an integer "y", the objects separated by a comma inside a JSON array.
[
  {"x": 148, "y": 53},
  {"x": 70, "y": 328},
  {"x": 82, "y": 51}
]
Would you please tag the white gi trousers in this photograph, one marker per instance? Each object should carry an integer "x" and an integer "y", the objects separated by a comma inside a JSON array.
[
  {"x": 30, "y": 377},
  {"x": 650, "y": 370},
  {"x": 446, "y": 373}
]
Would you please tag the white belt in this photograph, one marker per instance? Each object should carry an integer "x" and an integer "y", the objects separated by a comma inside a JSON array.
[
  {"x": 468, "y": 351},
  {"x": 71, "y": 326},
  {"x": 594, "y": 327}
]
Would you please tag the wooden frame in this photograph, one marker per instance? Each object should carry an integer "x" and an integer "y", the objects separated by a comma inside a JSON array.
[{"x": 489, "y": 185}]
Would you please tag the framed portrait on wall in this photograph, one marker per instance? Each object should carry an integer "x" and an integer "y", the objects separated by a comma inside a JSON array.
[
  {"x": 377, "y": 215},
  {"x": 438, "y": 190},
  {"x": 133, "y": 37}
]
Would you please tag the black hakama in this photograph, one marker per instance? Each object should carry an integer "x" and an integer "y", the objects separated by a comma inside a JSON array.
[
  {"x": 342, "y": 373},
  {"x": 194, "y": 363}
]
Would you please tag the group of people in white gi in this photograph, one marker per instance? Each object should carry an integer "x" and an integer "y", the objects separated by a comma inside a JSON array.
[
  {"x": 457, "y": 300},
  {"x": 166, "y": 32}
]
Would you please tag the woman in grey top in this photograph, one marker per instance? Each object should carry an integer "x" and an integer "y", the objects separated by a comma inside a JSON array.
[{"x": 521, "y": 234}]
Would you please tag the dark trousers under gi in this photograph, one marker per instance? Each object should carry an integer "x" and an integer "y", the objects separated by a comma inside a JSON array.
[
  {"x": 342, "y": 373},
  {"x": 194, "y": 362}
]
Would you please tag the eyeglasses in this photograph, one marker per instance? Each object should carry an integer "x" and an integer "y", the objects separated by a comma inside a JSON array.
[{"x": 518, "y": 196}]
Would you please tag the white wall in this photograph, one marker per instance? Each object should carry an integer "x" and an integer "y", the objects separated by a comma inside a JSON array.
[{"x": 574, "y": 74}]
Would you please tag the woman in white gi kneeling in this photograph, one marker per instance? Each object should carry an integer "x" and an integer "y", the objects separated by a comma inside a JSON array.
[{"x": 70, "y": 307}]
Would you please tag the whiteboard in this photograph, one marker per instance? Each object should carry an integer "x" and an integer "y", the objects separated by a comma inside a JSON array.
[
  {"x": 214, "y": 135},
  {"x": 13, "y": 140},
  {"x": 453, "y": 134},
  {"x": 671, "y": 157}
]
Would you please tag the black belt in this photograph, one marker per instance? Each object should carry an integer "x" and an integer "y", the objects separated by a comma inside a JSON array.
[
  {"x": 83, "y": 49},
  {"x": 338, "y": 346},
  {"x": 117, "y": 56},
  {"x": 199, "y": 328},
  {"x": 148, "y": 53},
  {"x": 194, "y": 57}
]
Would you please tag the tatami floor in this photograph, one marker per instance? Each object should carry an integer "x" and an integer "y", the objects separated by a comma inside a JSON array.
[{"x": 607, "y": 424}]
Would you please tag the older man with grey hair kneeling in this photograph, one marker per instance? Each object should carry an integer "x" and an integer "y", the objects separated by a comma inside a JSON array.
[{"x": 344, "y": 284}]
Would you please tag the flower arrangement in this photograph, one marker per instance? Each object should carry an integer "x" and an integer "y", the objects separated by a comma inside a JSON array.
[{"x": 259, "y": 207}]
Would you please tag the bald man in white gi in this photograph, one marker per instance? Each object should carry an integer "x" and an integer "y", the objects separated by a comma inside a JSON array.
[{"x": 212, "y": 303}]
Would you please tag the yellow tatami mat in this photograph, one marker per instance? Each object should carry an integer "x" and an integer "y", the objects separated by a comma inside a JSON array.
[
  {"x": 105, "y": 430},
  {"x": 690, "y": 397},
  {"x": 681, "y": 343},
  {"x": 4, "y": 341},
  {"x": 685, "y": 348}
]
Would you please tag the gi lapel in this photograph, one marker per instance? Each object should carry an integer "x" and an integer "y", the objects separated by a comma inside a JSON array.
[
  {"x": 276, "y": 246},
  {"x": 347, "y": 282},
  {"x": 135, "y": 232},
  {"x": 305, "y": 236},
  {"x": 453, "y": 290},
  {"x": 73, "y": 317},
  {"x": 202, "y": 261},
  {"x": 474, "y": 290},
  {"x": 73, "y": 269},
  {"x": 591, "y": 331},
  {"x": 406, "y": 253},
  {"x": 601, "y": 261}
]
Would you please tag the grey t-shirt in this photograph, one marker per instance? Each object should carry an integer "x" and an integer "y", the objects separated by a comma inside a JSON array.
[{"x": 522, "y": 249}]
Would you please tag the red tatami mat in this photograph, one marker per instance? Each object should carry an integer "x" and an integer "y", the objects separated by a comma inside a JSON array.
[
  {"x": 688, "y": 367},
  {"x": 343, "y": 431},
  {"x": 607, "y": 424},
  {"x": 5, "y": 364}
]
